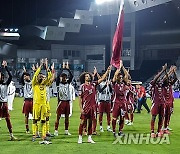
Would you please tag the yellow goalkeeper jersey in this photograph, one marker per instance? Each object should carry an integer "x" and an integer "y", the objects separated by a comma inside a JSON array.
[{"x": 39, "y": 89}]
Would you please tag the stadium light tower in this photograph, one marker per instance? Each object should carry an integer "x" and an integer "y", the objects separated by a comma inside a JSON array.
[{"x": 102, "y": 1}]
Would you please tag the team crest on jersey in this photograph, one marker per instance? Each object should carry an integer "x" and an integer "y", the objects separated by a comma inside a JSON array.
[
  {"x": 90, "y": 91},
  {"x": 120, "y": 88},
  {"x": 41, "y": 87}
]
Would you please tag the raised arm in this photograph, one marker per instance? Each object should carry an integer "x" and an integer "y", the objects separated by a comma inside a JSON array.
[
  {"x": 34, "y": 79},
  {"x": 49, "y": 73},
  {"x": 126, "y": 74},
  {"x": 53, "y": 75},
  {"x": 34, "y": 68},
  {"x": 104, "y": 87},
  {"x": 115, "y": 75},
  {"x": 104, "y": 75},
  {"x": 94, "y": 75},
  {"x": 117, "y": 72},
  {"x": 22, "y": 76},
  {"x": 98, "y": 76},
  {"x": 66, "y": 67},
  {"x": 166, "y": 77},
  {"x": 101, "y": 89},
  {"x": 168, "y": 74},
  {"x": 159, "y": 74},
  {"x": 38, "y": 70},
  {"x": 174, "y": 76},
  {"x": 22, "y": 79},
  {"x": 58, "y": 77},
  {"x": 4, "y": 64},
  {"x": 59, "y": 73},
  {"x": 70, "y": 76}
]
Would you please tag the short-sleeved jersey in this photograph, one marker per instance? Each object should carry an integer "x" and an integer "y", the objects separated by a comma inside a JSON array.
[
  {"x": 157, "y": 92},
  {"x": 168, "y": 93},
  {"x": 120, "y": 92},
  {"x": 131, "y": 94},
  {"x": 39, "y": 89},
  {"x": 105, "y": 95},
  {"x": 28, "y": 92},
  {"x": 87, "y": 92}
]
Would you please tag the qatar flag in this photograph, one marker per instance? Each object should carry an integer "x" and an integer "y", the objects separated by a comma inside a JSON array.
[{"x": 118, "y": 38}]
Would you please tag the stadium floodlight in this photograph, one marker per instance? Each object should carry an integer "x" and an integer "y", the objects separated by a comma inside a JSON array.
[
  {"x": 16, "y": 29},
  {"x": 102, "y": 1}
]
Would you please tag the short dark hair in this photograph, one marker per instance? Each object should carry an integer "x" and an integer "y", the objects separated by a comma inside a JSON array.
[
  {"x": 63, "y": 75},
  {"x": 27, "y": 74},
  {"x": 119, "y": 74}
]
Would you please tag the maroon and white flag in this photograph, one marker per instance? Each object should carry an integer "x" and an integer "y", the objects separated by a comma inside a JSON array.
[{"x": 118, "y": 38}]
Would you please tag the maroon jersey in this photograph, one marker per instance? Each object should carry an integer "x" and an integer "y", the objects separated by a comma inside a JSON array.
[
  {"x": 88, "y": 95},
  {"x": 157, "y": 92},
  {"x": 168, "y": 93},
  {"x": 130, "y": 94},
  {"x": 120, "y": 92}
]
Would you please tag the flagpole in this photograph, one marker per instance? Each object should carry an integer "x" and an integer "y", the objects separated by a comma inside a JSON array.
[
  {"x": 109, "y": 75},
  {"x": 120, "y": 9},
  {"x": 117, "y": 40},
  {"x": 115, "y": 35}
]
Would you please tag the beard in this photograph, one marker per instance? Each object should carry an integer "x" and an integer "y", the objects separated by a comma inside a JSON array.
[
  {"x": 64, "y": 81},
  {"x": 40, "y": 80},
  {"x": 88, "y": 80},
  {"x": 27, "y": 80}
]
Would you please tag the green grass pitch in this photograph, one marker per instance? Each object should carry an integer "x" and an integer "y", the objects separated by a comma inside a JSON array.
[{"x": 68, "y": 144}]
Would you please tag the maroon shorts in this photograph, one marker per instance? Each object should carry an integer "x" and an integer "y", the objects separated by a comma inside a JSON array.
[
  {"x": 158, "y": 109},
  {"x": 4, "y": 113},
  {"x": 119, "y": 109},
  {"x": 104, "y": 107},
  {"x": 89, "y": 115},
  {"x": 28, "y": 106},
  {"x": 63, "y": 108}
]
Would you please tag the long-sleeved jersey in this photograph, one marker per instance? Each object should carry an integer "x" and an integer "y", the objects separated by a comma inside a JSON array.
[{"x": 39, "y": 89}]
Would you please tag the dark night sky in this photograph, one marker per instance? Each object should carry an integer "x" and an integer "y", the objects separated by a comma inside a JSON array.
[
  {"x": 17, "y": 13},
  {"x": 20, "y": 13}
]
